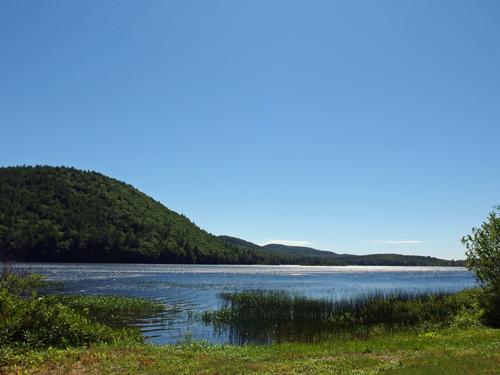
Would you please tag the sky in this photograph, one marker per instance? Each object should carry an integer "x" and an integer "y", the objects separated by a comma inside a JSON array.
[{"x": 352, "y": 126}]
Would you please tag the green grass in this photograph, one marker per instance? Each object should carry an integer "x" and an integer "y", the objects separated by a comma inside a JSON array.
[
  {"x": 277, "y": 316},
  {"x": 448, "y": 351},
  {"x": 114, "y": 310}
]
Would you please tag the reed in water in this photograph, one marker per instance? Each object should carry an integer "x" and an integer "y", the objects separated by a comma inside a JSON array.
[{"x": 276, "y": 316}]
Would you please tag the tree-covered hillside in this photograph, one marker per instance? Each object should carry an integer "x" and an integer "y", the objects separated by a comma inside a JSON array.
[
  {"x": 65, "y": 214},
  {"x": 297, "y": 250},
  {"x": 310, "y": 256}
]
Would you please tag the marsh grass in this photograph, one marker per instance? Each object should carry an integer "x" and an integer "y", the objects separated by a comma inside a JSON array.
[
  {"x": 112, "y": 310},
  {"x": 276, "y": 316}
]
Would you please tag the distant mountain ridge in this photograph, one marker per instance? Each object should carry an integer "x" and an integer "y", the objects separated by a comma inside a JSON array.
[
  {"x": 297, "y": 250},
  {"x": 311, "y": 256},
  {"x": 63, "y": 214}
]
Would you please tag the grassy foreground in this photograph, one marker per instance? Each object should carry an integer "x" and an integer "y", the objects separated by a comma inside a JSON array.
[{"x": 449, "y": 351}]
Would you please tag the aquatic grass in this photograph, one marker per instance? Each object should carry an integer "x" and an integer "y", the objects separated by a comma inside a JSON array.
[
  {"x": 112, "y": 309},
  {"x": 275, "y": 316}
]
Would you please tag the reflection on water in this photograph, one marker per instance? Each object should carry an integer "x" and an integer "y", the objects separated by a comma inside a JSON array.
[{"x": 190, "y": 289}]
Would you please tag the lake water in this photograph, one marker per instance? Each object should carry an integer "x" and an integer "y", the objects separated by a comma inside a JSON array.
[{"x": 190, "y": 289}]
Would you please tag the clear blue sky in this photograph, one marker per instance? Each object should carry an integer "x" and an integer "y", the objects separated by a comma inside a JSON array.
[{"x": 356, "y": 126}]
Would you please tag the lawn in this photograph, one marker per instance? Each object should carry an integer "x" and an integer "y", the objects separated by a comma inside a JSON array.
[{"x": 448, "y": 351}]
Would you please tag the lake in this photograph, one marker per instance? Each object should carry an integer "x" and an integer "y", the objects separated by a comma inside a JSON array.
[{"x": 190, "y": 289}]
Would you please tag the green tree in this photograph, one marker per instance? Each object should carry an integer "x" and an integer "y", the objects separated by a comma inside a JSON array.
[{"x": 483, "y": 258}]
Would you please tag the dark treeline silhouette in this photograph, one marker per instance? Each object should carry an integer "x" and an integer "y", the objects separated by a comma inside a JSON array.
[
  {"x": 63, "y": 214},
  {"x": 310, "y": 256}
]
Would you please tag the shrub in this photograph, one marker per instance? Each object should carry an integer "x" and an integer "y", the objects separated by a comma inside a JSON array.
[
  {"x": 42, "y": 322},
  {"x": 483, "y": 258},
  {"x": 33, "y": 321},
  {"x": 19, "y": 282}
]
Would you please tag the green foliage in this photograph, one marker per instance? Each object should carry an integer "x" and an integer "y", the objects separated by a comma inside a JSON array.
[
  {"x": 483, "y": 258},
  {"x": 309, "y": 256},
  {"x": 267, "y": 316},
  {"x": 468, "y": 318},
  {"x": 39, "y": 322},
  {"x": 447, "y": 351},
  {"x": 111, "y": 309},
  {"x": 20, "y": 282},
  {"x": 65, "y": 214}
]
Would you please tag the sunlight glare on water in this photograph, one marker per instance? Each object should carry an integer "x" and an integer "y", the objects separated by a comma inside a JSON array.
[{"x": 189, "y": 289}]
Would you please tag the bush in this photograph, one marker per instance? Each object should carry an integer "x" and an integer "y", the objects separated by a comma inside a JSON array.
[
  {"x": 42, "y": 322},
  {"x": 19, "y": 283},
  {"x": 483, "y": 258},
  {"x": 26, "y": 319}
]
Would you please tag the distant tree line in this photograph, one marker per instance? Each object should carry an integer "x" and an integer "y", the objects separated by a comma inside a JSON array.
[{"x": 63, "y": 214}]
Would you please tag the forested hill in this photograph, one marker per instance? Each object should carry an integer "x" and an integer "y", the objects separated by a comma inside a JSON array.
[
  {"x": 310, "y": 256},
  {"x": 65, "y": 214},
  {"x": 297, "y": 250}
]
